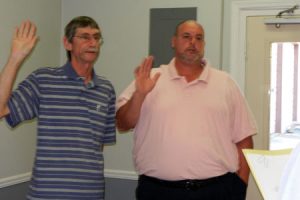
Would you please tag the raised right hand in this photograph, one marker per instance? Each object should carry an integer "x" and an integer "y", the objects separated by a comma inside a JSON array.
[
  {"x": 24, "y": 40},
  {"x": 144, "y": 83}
]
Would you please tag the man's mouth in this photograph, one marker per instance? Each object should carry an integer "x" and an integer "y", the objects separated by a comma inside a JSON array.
[
  {"x": 192, "y": 50},
  {"x": 92, "y": 51}
]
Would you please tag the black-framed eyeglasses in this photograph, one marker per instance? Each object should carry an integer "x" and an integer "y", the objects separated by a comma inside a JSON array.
[{"x": 88, "y": 38}]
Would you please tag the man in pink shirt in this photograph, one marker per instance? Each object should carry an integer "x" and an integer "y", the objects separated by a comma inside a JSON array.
[{"x": 190, "y": 123}]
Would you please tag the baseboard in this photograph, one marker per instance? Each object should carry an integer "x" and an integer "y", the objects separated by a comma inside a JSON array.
[
  {"x": 13, "y": 180},
  {"x": 108, "y": 173},
  {"x": 120, "y": 174}
]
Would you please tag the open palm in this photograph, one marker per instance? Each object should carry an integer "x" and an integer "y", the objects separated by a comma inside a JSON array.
[
  {"x": 143, "y": 82},
  {"x": 24, "y": 40}
]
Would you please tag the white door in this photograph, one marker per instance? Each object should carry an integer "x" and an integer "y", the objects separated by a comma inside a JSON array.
[{"x": 257, "y": 78}]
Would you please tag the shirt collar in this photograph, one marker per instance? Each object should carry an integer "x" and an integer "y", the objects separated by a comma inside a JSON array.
[
  {"x": 71, "y": 73},
  {"x": 203, "y": 76}
]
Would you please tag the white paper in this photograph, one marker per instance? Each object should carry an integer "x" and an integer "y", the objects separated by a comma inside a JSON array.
[
  {"x": 290, "y": 182},
  {"x": 267, "y": 168}
]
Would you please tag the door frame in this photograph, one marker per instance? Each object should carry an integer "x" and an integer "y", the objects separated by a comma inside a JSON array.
[{"x": 240, "y": 10}]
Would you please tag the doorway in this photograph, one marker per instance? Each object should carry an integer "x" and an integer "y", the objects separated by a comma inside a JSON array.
[
  {"x": 270, "y": 64},
  {"x": 284, "y": 108},
  {"x": 259, "y": 41}
]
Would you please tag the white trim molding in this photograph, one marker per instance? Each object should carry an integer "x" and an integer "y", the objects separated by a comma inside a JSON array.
[
  {"x": 240, "y": 10},
  {"x": 120, "y": 174},
  {"x": 108, "y": 173},
  {"x": 13, "y": 180}
]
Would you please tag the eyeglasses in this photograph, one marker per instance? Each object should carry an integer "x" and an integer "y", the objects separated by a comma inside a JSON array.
[{"x": 88, "y": 38}]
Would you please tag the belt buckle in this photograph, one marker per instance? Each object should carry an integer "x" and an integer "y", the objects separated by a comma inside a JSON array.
[{"x": 191, "y": 185}]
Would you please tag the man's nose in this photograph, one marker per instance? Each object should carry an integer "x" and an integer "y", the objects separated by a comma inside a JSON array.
[{"x": 193, "y": 40}]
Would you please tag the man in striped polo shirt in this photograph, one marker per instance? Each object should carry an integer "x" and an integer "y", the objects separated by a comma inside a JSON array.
[{"x": 75, "y": 109}]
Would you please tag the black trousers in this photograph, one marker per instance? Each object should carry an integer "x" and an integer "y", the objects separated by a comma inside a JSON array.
[{"x": 227, "y": 187}]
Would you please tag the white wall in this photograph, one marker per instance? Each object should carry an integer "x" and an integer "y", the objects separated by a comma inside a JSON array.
[
  {"x": 125, "y": 27},
  {"x": 17, "y": 146}
]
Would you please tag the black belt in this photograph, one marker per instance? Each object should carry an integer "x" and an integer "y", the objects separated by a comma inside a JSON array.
[{"x": 192, "y": 184}]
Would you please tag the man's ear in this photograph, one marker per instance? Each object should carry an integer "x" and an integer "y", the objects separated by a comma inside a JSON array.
[{"x": 67, "y": 44}]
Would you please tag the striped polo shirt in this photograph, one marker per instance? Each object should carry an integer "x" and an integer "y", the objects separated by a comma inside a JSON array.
[{"x": 74, "y": 121}]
